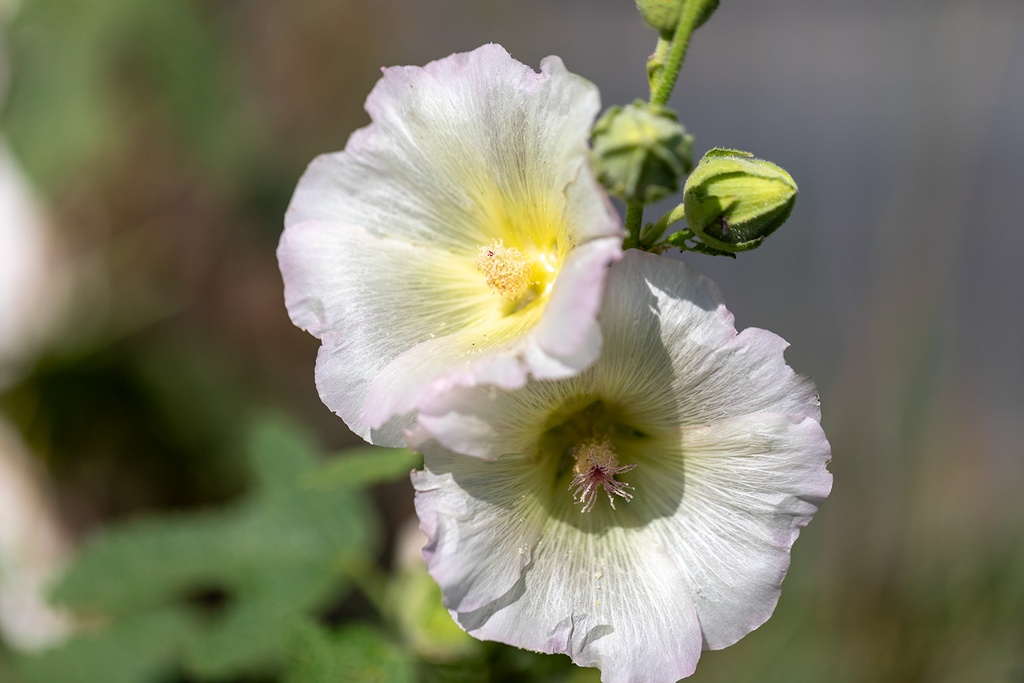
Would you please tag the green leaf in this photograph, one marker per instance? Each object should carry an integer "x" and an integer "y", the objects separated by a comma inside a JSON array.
[
  {"x": 7, "y": 674},
  {"x": 251, "y": 572},
  {"x": 354, "y": 653},
  {"x": 282, "y": 454},
  {"x": 361, "y": 467},
  {"x": 144, "y": 564},
  {"x": 253, "y": 634},
  {"x": 135, "y": 650}
]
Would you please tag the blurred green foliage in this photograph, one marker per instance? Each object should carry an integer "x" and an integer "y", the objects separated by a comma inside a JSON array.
[
  {"x": 361, "y": 467},
  {"x": 358, "y": 652},
  {"x": 223, "y": 589},
  {"x": 139, "y": 648},
  {"x": 88, "y": 72}
]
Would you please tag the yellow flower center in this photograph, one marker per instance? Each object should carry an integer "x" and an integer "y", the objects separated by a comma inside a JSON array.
[
  {"x": 506, "y": 269},
  {"x": 594, "y": 453}
]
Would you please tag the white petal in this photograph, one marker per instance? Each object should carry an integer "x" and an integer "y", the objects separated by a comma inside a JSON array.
[
  {"x": 454, "y": 144},
  {"x": 486, "y": 423},
  {"x": 478, "y": 544},
  {"x": 339, "y": 285},
  {"x": 34, "y": 548},
  {"x": 34, "y": 284},
  {"x": 716, "y": 373},
  {"x": 567, "y": 338},
  {"x": 608, "y": 596},
  {"x": 750, "y": 484}
]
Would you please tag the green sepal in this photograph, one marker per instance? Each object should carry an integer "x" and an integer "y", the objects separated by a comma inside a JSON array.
[
  {"x": 702, "y": 248},
  {"x": 684, "y": 240}
]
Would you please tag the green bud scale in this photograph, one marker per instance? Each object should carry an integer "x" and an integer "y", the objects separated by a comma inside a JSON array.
[
  {"x": 641, "y": 152},
  {"x": 733, "y": 200}
]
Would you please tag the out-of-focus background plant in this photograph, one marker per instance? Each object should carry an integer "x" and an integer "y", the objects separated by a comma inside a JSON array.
[{"x": 158, "y": 419}]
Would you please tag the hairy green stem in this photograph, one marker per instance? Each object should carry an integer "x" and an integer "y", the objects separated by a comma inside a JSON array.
[
  {"x": 661, "y": 90},
  {"x": 634, "y": 222},
  {"x": 674, "y": 216},
  {"x": 649, "y": 236},
  {"x": 692, "y": 11}
]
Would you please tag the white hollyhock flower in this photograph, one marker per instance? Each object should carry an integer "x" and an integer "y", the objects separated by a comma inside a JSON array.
[
  {"x": 33, "y": 285},
  {"x": 33, "y": 543},
  {"x": 33, "y": 548},
  {"x": 460, "y": 236},
  {"x": 635, "y": 513}
]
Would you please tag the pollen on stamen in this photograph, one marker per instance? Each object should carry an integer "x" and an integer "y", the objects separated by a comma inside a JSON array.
[
  {"x": 506, "y": 269},
  {"x": 596, "y": 467}
]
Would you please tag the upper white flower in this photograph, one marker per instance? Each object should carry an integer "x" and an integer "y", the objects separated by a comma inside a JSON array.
[
  {"x": 635, "y": 513},
  {"x": 33, "y": 282},
  {"x": 459, "y": 238}
]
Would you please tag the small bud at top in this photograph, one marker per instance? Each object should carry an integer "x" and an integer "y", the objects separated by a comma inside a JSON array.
[
  {"x": 664, "y": 14},
  {"x": 734, "y": 200},
  {"x": 641, "y": 151}
]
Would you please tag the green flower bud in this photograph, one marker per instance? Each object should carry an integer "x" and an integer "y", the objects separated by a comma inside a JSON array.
[
  {"x": 415, "y": 602},
  {"x": 733, "y": 200},
  {"x": 641, "y": 151},
  {"x": 664, "y": 14}
]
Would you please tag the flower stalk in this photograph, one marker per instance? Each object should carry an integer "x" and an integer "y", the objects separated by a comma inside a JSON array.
[
  {"x": 693, "y": 12},
  {"x": 634, "y": 219},
  {"x": 663, "y": 71}
]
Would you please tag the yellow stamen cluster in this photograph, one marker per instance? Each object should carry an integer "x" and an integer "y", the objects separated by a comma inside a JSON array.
[
  {"x": 507, "y": 270},
  {"x": 594, "y": 454}
]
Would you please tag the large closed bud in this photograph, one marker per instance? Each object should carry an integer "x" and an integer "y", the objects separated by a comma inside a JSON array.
[{"x": 733, "y": 200}]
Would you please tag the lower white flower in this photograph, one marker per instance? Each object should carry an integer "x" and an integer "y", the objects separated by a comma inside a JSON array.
[
  {"x": 33, "y": 549},
  {"x": 706, "y": 445}
]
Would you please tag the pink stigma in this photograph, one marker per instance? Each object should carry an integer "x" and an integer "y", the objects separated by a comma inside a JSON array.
[{"x": 596, "y": 466}]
